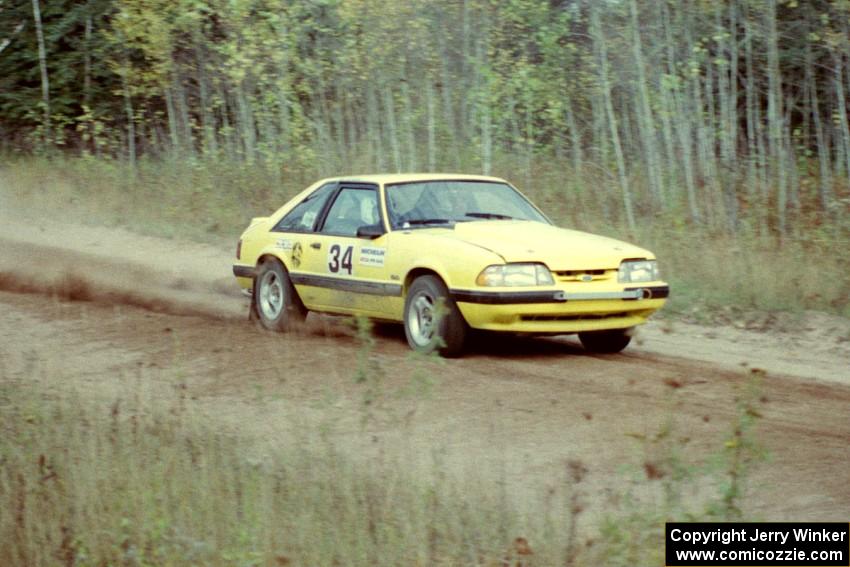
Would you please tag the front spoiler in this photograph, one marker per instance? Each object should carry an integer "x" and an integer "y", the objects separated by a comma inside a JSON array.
[{"x": 527, "y": 297}]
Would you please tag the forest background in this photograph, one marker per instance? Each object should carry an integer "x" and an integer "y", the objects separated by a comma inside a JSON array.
[{"x": 714, "y": 132}]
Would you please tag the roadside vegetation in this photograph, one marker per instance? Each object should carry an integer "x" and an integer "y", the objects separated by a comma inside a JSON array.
[{"x": 140, "y": 473}]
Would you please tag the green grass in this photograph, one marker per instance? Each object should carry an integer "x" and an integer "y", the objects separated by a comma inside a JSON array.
[{"x": 709, "y": 268}]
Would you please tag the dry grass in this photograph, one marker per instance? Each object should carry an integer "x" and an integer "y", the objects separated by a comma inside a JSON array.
[
  {"x": 749, "y": 272},
  {"x": 137, "y": 480},
  {"x": 129, "y": 476}
]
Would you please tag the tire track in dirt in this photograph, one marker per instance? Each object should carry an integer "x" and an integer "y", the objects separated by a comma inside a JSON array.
[{"x": 26, "y": 267}]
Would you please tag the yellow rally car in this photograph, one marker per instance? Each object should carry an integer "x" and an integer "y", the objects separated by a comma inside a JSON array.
[{"x": 443, "y": 254}]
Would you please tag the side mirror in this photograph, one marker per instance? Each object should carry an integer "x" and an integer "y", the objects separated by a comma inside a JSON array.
[{"x": 371, "y": 231}]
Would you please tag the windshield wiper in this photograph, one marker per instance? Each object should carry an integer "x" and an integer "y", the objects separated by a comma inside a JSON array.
[
  {"x": 426, "y": 221},
  {"x": 489, "y": 216}
]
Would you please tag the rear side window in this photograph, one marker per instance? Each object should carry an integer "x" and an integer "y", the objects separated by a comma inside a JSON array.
[{"x": 303, "y": 217}]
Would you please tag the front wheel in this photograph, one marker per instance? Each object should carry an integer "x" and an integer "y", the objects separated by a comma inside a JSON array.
[
  {"x": 607, "y": 342},
  {"x": 432, "y": 321},
  {"x": 276, "y": 304}
]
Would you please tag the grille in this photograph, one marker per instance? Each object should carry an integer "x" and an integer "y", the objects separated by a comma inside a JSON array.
[{"x": 582, "y": 275}]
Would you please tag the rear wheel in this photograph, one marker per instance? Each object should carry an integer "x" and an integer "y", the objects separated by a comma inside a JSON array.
[
  {"x": 276, "y": 304},
  {"x": 611, "y": 341},
  {"x": 432, "y": 321}
]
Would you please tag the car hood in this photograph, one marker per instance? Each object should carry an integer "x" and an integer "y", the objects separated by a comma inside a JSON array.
[{"x": 558, "y": 248}]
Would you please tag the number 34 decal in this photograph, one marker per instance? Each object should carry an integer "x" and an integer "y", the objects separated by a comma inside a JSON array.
[{"x": 339, "y": 259}]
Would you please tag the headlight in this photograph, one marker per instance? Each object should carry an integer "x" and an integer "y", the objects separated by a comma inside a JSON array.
[
  {"x": 637, "y": 271},
  {"x": 515, "y": 275}
]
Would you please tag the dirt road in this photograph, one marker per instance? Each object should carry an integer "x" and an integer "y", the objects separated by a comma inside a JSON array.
[{"x": 100, "y": 307}]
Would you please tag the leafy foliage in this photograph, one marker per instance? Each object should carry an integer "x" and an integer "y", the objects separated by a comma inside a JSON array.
[{"x": 730, "y": 113}]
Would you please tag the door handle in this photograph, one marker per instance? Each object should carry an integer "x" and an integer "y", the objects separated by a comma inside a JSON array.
[{"x": 316, "y": 245}]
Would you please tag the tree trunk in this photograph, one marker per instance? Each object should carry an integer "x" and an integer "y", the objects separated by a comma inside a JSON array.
[
  {"x": 825, "y": 181},
  {"x": 171, "y": 112},
  {"x": 432, "y": 142},
  {"x": 753, "y": 163},
  {"x": 210, "y": 145},
  {"x": 599, "y": 40},
  {"x": 575, "y": 138},
  {"x": 42, "y": 64},
  {"x": 128, "y": 110},
  {"x": 646, "y": 120},
  {"x": 87, "y": 105},
  {"x": 682, "y": 119},
  {"x": 841, "y": 110},
  {"x": 373, "y": 126},
  {"x": 486, "y": 139},
  {"x": 448, "y": 114},
  {"x": 410, "y": 128},
  {"x": 393, "y": 130},
  {"x": 775, "y": 114}
]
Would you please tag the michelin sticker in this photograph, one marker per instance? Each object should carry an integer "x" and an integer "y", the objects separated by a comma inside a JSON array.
[{"x": 372, "y": 256}]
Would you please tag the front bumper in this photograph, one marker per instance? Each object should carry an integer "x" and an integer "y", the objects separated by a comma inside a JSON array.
[{"x": 559, "y": 311}]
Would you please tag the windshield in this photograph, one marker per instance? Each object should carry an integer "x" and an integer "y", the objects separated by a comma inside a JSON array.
[{"x": 447, "y": 202}]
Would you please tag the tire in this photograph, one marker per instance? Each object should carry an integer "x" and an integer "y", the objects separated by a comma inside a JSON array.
[
  {"x": 276, "y": 305},
  {"x": 607, "y": 342},
  {"x": 426, "y": 328}
]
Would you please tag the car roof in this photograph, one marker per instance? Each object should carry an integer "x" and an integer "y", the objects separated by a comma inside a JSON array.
[{"x": 390, "y": 178}]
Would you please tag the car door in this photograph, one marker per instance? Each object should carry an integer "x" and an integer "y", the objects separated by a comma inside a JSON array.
[
  {"x": 345, "y": 272},
  {"x": 293, "y": 232}
]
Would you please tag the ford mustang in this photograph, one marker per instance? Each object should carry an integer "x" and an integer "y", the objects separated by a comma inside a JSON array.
[{"x": 444, "y": 255}]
